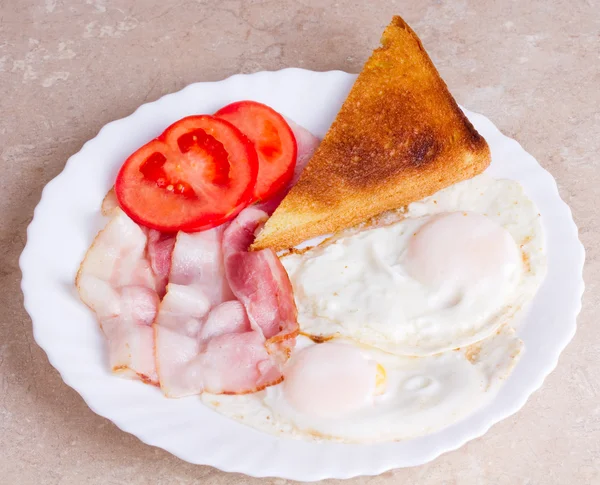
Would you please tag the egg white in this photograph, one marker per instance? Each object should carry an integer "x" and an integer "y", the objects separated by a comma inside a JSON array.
[
  {"x": 354, "y": 286},
  {"x": 419, "y": 395}
]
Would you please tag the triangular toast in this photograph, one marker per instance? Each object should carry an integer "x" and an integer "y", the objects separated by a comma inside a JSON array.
[{"x": 398, "y": 137}]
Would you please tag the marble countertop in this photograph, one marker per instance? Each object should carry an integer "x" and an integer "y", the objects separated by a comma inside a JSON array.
[{"x": 69, "y": 67}]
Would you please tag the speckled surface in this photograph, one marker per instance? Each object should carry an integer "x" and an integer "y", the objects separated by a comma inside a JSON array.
[{"x": 67, "y": 68}]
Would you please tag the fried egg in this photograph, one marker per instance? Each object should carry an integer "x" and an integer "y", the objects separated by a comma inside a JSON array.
[
  {"x": 343, "y": 391},
  {"x": 445, "y": 273},
  {"x": 414, "y": 314}
]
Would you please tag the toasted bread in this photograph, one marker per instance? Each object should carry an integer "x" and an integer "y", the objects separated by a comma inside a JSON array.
[{"x": 398, "y": 137}]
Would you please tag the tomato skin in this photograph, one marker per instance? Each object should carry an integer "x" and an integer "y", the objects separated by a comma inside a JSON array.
[
  {"x": 199, "y": 173},
  {"x": 273, "y": 140}
]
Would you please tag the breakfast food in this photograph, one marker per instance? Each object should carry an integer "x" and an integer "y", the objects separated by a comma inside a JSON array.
[
  {"x": 398, "y": 324},
  {"x": 116, "y": 281},
  {"x": 398, "y": 137},
  {"x": 341, "y": 391},
  {"x": 444, "y": 273},
  {"x": 407, "y": 322},
  {"x": 214, "y": 332},
  {"x": 273, "y": 140},
  {"x": 181, "y": 310},
  {"x": 198, "y": 174}
]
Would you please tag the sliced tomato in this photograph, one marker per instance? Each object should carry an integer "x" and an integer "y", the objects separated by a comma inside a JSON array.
[
  {"x": 198, "y": 174},
  {"x": 274, "y": 142}
]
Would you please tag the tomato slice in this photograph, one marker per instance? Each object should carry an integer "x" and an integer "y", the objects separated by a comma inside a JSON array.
[
  {"x": 198, "y": 174},
  {"x": 274, "y": 142}
]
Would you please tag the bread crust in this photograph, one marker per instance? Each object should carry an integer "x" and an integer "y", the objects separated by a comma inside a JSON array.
[{"x": 399, "y": 137}]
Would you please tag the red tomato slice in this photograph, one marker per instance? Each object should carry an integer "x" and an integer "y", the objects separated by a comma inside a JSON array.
[
  {"x": 198, "y": 174},
  {"x": 274, "y": 142}
]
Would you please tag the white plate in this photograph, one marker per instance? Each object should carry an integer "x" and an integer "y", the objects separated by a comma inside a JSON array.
[{"x": 67, "y": 218}]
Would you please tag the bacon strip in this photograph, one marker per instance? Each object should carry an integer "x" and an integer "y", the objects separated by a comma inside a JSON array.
[
  {"x": 160, "y": 248},
  {"x": 116, "y": 282},
  {"x": 259, "y": 281},
  {"x": 307, "y": 143},
  {"x": 196, "y": 264},
  {"x": 109, "y": 203},
  {"x": 204, "y": 340},
  {"x": 234, "y": 357}
]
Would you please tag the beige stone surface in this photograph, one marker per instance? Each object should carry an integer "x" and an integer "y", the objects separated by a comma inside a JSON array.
[{"x": 69, "y": 67}]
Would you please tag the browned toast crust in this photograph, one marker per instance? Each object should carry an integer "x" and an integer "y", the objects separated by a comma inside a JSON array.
[{"x": 398, "y": 137}]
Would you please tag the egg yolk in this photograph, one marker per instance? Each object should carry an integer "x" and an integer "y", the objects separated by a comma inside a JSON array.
[
  {"x": 463, "y": 248},
  {"x": 380, "y": 380},
  {"x": 331, "y": 380}
]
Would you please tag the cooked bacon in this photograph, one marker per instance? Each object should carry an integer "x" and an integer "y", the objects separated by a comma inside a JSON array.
[
  {"x": 160, "y": 245},
  {"x": 160, "y": 248},
  {"x": 259, "y": 281},
  {"x": 198, "y": 259},
  {"x": 227, "y": 320},
  {"x": 129, "y": 335},
  {"x": 204, "y": 341},
  {"x": 109, "y": 203},
  {"x": 196, "y": 265},
  {"x": 234, "y": 357},
  {"x": 115, "y": 280},
  {"x": 307, "y": 143}
]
